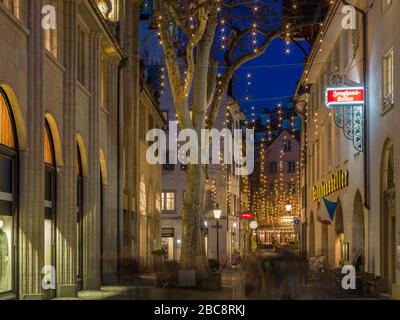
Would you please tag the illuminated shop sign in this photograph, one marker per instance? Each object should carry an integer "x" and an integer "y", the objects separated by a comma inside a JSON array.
[
  {"x": 345, "y": 96},
  {"x": 247, "y": 215},
  {"x": 338, "y": 181}
]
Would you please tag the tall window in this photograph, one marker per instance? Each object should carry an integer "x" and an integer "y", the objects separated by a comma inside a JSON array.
[
  {"x": 14, "y": 6},
  {"x": 8, "y": 166},
  {"x": 287, "y": 146},
  {"x": 272, "y": 168},
  {"x": 50, "y": 35},
  {"x": 168, "y": 201},
  {"x": 388, "y": 80},
  {"x": 81, "y": 55},
  {"x": 291, "y": 167},
  {"x": 49, "y": 203}
]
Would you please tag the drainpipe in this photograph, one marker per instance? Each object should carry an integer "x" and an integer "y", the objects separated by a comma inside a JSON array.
[{"x": 367, "y": 198}]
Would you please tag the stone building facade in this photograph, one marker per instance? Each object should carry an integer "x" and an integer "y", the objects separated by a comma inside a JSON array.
[
  {"x": 71, "y": 168},
  {"x": 328, "y": 149},
  {"x": 367, "y": 218},
  {"x": 276, "y": 189}
]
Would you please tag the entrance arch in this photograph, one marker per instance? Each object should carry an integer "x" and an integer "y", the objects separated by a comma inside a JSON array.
[
  {"x": 339, "y": 235},
  {"x": 80, "y": 172},
  {"x": 311, "y": 236},
  {"x": 324, "y": 242},
  {"x": 358, "y": 243},
  {"x": 9, "y": 154},
  {"x": 388, "y": 216},
  {"x": 50, "y": 191}
]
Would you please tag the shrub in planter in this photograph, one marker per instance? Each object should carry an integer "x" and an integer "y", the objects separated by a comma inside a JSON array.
[
  {"x": 212, "y": 278},
  {"x": 214, "y": 265}
]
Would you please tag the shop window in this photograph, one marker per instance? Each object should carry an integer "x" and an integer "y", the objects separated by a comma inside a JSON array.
[
  {"x": 7, "y": 197},
  {"x": 49, "y": 205}
]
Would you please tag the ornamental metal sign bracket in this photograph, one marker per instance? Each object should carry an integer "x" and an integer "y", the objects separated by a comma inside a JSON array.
[{"x": 347, "y": 104}]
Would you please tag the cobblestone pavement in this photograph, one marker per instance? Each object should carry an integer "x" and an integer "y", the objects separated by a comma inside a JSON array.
[{"x": 143, "y": 288}]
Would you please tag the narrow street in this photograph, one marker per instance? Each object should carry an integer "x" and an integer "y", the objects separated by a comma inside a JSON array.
[{"x": 142, "y": 288}]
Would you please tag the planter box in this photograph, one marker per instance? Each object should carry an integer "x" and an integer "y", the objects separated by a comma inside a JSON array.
[
  {"x": 211, "y": 281},
  {"x": 187, "y": 278}
]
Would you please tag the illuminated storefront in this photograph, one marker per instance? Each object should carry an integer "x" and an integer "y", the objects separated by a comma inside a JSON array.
[
  {"x": 49, "y": 205},
  {"x": 8, "y": 187}
]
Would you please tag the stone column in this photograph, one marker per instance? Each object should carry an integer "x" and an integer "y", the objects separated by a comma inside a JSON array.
[
  {"x": 110, "y": 221},
  {"x": 31, "y": 189},
  {"x": 130, "y": 25},
  {"x": 91, "y": 220},
  {"x": 67, "y": 183}
]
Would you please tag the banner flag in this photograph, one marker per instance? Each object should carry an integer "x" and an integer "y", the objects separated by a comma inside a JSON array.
[{"x": 327, "y": 210}]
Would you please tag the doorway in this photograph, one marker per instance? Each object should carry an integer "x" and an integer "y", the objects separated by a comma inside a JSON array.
[
  {"x": 388, "y": 218},
  {"x": 79, "y": 223}
]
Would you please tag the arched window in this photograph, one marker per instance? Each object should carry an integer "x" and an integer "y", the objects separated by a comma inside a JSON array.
[
  {"x": 8, "y": 187},
  {"x": 49, "y": 202},
  {"x": 79, "y": 224},
  {"x": 6, "y": 129}
]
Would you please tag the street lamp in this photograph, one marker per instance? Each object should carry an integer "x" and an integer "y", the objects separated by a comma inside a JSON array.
[{"x": 217, "y": 215}]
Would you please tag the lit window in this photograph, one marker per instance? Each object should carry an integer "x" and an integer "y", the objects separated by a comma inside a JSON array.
[
  {"x": 50, "y": 35},
  {"x": 14, "y": 6},
  {"x": 388, "y": 80},
  {"x": 168, "y": 201},
  {"x": 48, "y": 147},
  {"x": 6, "y": 130},
  {"x": 291, "y": 167}
]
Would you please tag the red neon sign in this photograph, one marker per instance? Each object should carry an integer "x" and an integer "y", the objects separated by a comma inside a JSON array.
[
  {"x": 247, "y": 215},
  {"x": 345, "y": 96}
]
